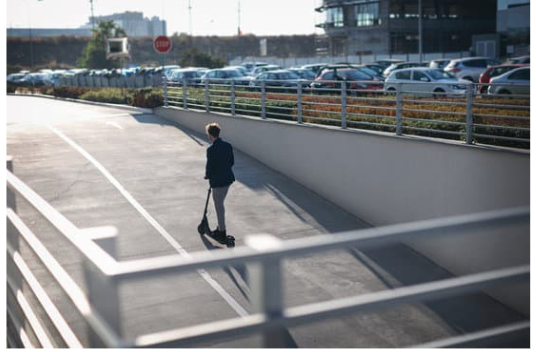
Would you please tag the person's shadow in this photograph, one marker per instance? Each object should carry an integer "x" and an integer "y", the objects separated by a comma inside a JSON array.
[
  {"x": 235, "y": 272},
  {"x": 239, "y": 272}
]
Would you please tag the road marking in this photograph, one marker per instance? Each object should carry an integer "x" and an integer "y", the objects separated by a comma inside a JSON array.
[
  {"x": 176, "y": 245},
  {"x": 114, "y": 124}
]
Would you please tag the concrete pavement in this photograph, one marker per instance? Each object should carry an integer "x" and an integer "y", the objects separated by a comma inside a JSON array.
[{"x": 161, "y": 166}]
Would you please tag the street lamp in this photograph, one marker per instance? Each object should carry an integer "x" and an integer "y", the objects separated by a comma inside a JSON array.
[{"x": 420, "y": 31}]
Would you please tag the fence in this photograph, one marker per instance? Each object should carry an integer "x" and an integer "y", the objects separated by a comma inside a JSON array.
[
  {"x": 459, "y": 111},
  {"x": 263, "y": 254}
]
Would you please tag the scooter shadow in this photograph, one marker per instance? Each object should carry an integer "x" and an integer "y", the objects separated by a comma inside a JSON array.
[{"x": 240, "y": 270}]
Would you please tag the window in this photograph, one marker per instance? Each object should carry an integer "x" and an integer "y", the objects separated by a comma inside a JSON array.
[
  {"x": 523, "y": 75},
  {"x": 417, "y": 75},
  {"x": 439, "y": 74},
  {"x": 367, "y": 14},
  {"x": 354, "y": 75},
  {"x": 403, "y": 75},
  {"x": 493, "y": 62},
  {"x": 334, "y": 17},
  {"x": 476, "y": 63},
  {"x": 330, "y": 76}
]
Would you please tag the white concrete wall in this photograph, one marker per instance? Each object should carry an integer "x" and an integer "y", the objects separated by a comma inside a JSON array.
[{"x": 384, "y": 179}]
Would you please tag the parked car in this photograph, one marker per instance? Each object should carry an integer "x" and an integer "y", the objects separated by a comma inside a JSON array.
[
  {"x": 168, "y": 70},
  {"x": 265, "y": 68},
  {"x": 387, "y": 62},
  {"x": 494, "y": 71},
  {"x": 369, "y": 71},
  {"x": 192, "y": 75},
  {"x": 278, "y": 78},
  {"x": 55, "y": 77},
  {"x": 516, "y": 81},
  {"x": 16, "y": 78},
  {"x": 353, "y": 78},
  {"x": 399, "y": 66},
  {"x": 439, "y": 63},
  {"x": 37, "y": 79},
  {"x": 244, "y": 71},
  {"x": 250, "y": 66},
  {"x": 377, "y": 68},
  {"x": 470, "y": 68},
  {"x": 366, "y": 70},
  {"x": 303, "y": 73},
  {"x": 224, "y": 76},
  {"x": 519, "y": 60},
  {"x": 425, "y": 81},
  {"x": 314, "y": 67}
]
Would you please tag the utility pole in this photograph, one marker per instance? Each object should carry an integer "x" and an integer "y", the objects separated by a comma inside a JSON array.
[
  {"x": 92, "y": 16},
  {"x": 30, "y": 36},
  {"x": 420, "y": 31},
  {"x": 190, "y": 15},
  {"x": 239, "y": 18}
]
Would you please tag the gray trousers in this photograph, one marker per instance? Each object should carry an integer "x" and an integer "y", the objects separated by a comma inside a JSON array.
[{"x": 218, "y": 195}]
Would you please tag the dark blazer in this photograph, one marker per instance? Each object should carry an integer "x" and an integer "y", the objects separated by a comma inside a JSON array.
[{"x": 220, "y": 160}]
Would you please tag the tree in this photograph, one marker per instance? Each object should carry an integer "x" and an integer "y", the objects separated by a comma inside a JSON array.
[
  {"x": 196, "y": 58},
  {"x": 94, "y": 54}
]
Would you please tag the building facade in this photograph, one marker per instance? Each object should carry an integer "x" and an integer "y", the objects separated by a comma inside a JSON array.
[
  {"x": 513, "y": 27},
  {"x": 135, "y": 25},
  {"x": 364, "y": 27}
]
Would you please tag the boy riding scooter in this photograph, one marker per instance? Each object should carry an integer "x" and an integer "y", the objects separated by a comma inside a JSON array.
[{"x": 220, "y": 160}]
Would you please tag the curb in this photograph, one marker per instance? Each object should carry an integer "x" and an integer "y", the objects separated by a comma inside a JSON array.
[{"x": 110, "y": 105}]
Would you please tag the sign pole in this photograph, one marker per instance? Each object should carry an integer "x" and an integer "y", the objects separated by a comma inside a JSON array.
[
  {"x": 164, "y": 78},
  {"x": 162, "y": 45}
]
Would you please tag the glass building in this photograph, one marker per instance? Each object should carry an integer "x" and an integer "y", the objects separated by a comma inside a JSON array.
[{"x": 391, "y": 26}]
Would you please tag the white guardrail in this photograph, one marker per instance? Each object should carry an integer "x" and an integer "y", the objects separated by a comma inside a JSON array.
[
  {"x": 460, "y": 111},
  {"x": 100, "y": 307}
]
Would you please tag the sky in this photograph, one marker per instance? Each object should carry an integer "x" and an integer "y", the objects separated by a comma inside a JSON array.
[{"x": 209, "y": 17}]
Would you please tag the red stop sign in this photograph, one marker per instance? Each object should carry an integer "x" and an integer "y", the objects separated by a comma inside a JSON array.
[{"x": 162, "y": 44}]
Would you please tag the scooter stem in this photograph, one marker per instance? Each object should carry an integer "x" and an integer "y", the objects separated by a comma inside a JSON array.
[{"x": 206, "y": 203}]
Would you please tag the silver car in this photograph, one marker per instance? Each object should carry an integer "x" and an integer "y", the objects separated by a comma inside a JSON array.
[
  {"x": 470, "y": 68},
  {"x": 424, "y": 81},
  {"x": 512, "y": 82}
]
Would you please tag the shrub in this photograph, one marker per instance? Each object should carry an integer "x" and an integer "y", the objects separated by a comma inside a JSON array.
[
  {"x": 147, "y": 98},
  {"x": 110, "y": 95}
]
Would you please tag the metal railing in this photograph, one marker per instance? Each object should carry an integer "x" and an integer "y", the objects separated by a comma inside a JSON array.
[
  {"x": 263, "y": 255},
  {"x": 458, "y": 111}
]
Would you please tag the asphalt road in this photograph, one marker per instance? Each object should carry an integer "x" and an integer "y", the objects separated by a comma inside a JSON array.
[{"x": 56, "y": 148}]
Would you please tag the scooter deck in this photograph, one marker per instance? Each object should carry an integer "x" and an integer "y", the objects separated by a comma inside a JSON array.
[
  {"x": 204, "y": 229},
  {"x": 229, "y": 241}
]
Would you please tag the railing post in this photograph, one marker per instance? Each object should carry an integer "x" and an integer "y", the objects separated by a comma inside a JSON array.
[
  {"x": 266, "y": 294},
  {"x": 399, "y": 109},
  {"x": 343, "y": 105},
  {"x": 469, "y": 94},
  {"x": 300, "y": 111},
  {"x": 263, "y": 99},
  {"x": 233, "y": 98},
  {"x": 207, "y": 97},
  {"x": 165, "y": 88},
  {"x": 10, "y": 195},
  {"x": 13, "y": 237},
  {"x": 184, "y": 93},
  {"x": 102, "y": 290}
]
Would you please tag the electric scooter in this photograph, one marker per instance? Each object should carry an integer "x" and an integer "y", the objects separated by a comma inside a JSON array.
[{"x": 204, "y": 229}]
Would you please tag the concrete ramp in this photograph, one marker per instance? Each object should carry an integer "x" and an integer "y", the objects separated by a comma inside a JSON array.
[{"x": 144, "y": 175}]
